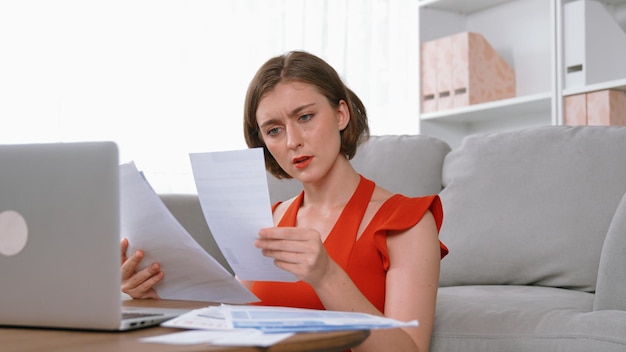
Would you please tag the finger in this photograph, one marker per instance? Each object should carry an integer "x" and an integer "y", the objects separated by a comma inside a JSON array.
[
  {"x": 124, "y": 248},
  {"x": 146, "y": 288},
  {"x": 306, "y": 260},
  {"x": 129, "y": 267},
  {"x": 298, "y": 246},
  {"x": 290, "y": 234},
  {"x": 143, "y": 278},
  {"x": 152, "y": 294},
  {"x": 283, "y": 233}
]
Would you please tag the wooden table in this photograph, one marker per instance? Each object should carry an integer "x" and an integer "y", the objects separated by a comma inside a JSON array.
[{"x": 25, "y": 339}]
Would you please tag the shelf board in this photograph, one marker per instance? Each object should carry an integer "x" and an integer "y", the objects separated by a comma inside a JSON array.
[
  {"x": 619, "y": 84},
  {"x": 461, "y": 6},
  {"x": 494, "y": 110}
]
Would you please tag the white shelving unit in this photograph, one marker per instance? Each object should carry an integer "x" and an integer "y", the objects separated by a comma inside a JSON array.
[
  {"x": 615, "y": 9},
  {"x": 614, "y": 84},
  {"x": 528, "y": 34}
]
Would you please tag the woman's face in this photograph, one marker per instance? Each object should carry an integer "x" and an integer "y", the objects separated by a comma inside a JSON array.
[{"x": 301, "y": 129}]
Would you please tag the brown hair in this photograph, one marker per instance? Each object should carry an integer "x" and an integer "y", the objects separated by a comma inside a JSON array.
[{"x": 307, "y": 68}]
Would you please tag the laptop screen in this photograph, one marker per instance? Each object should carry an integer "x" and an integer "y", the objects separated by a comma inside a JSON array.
[{"x": 59, "y": 235}]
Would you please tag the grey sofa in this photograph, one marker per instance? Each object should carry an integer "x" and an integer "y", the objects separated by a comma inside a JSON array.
[{"x": 535, "y": 220}]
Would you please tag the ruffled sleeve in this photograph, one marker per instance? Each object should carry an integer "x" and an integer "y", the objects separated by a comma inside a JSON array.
[{"x": 401, "y": 213}]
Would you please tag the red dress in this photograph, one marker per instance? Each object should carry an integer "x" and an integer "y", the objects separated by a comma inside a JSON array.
[{"x": 365, "y": 260}]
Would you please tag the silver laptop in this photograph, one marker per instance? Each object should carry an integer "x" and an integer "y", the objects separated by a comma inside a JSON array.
[{"x": 60, "y": 239}]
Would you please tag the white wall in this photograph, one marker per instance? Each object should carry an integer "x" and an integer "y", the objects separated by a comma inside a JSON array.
[{"x": 166, "y": 78}]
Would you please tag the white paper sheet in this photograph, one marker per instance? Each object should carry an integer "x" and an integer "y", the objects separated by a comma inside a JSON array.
[
  {"x": 240, "y": 337},
  {"x": 280, "y": 319},
  {"x": 190, "y": 272},
  {"x": 233, "y": 191}
]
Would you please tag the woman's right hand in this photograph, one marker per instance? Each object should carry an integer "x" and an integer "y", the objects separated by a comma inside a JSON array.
[{"x": 139, "y": 284}]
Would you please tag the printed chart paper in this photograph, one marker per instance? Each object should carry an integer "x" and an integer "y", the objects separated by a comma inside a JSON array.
[{"x": 272, "y": 320}]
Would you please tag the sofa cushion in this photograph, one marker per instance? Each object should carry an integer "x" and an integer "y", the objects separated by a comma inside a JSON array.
[
  {"x": 406, "y": 164},
  {"x": 532, "y": 206},
  {"x": 523, "y": 318},
  {"x": 611, "y": 287}
]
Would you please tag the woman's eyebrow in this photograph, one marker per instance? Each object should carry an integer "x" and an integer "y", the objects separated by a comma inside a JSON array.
[
  {"x": 297, "y": 110},
  {"x": 268, "y": 123},
  {"x": 294, "y": 112}
]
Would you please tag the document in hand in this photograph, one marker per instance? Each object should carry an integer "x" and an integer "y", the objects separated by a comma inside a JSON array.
[
  {"x": 190, "y": 272},
  {"x": 234, "y": 195},
  {"x": 281, "y": 319}
]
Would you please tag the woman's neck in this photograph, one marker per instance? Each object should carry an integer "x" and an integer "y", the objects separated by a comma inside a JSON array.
[{"x": 335, "y": 189}]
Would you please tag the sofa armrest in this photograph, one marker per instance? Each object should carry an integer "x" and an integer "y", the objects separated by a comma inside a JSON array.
[{"x": 611, "y": 284}]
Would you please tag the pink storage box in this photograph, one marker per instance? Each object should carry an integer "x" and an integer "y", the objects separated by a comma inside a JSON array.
[
  {"x": 575, "y": 110},
  {"x": 463, "y": 69},
  {"x": 479, "y": 73},
  {"x": 429, "y": 76},
  {"x": 606, "y": 108},
  {"x": 599, "y": 108}
]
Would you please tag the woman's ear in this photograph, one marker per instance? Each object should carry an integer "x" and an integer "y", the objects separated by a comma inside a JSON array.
[{"x": 343, "y": 115}]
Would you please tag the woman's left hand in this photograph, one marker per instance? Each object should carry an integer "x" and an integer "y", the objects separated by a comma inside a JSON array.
[{"x": 297, "y": 250}]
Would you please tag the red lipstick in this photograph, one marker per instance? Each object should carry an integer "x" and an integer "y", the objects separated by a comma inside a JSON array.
[{"x": 302, "y": 161}]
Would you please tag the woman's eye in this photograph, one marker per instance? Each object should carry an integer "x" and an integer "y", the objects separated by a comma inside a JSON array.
[
  {"x": 273, "y": 131},
  {"x": 306, "y": 117}
]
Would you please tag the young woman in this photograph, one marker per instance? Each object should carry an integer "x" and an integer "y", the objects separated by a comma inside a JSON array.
[{"x": 353, "y": 245}]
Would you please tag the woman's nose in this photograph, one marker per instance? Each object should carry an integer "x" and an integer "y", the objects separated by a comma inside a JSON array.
[{"x": 294, "y": 138}]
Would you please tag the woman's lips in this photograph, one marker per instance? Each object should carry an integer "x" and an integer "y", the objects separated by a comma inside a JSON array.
[{"x": 302, "y": 162}]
